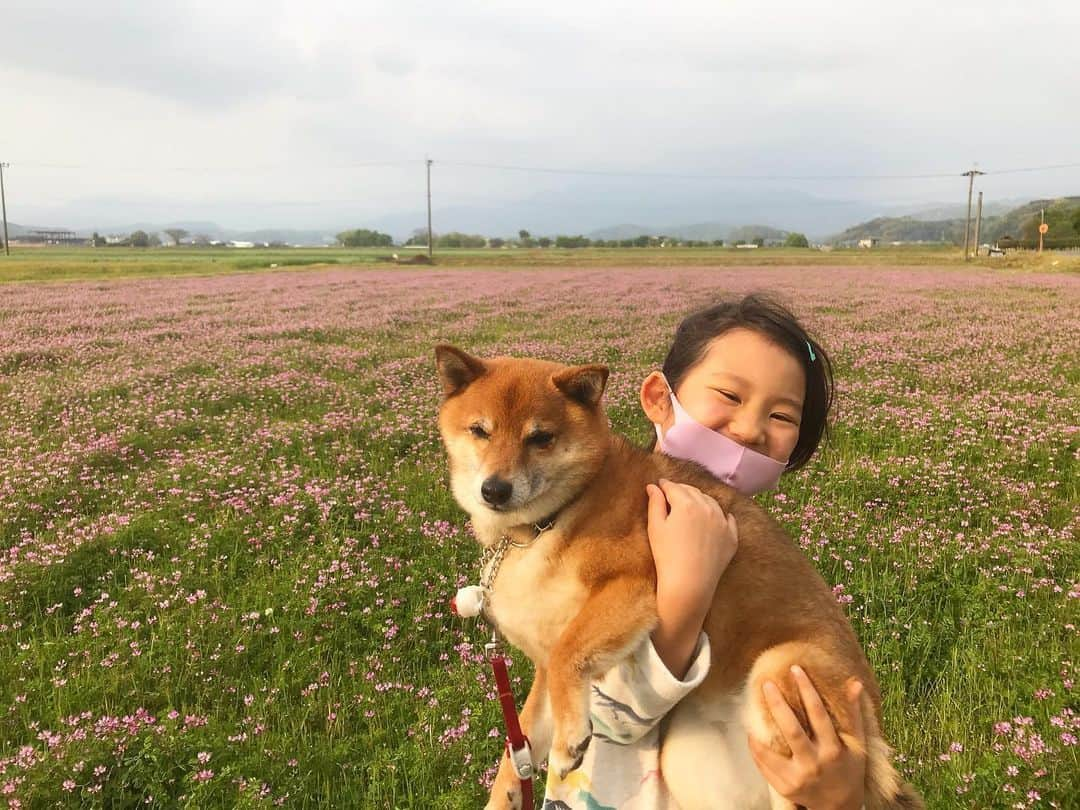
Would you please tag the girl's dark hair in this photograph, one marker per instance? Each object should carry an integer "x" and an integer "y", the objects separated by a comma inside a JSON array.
[{"x": 768, "y": 317}]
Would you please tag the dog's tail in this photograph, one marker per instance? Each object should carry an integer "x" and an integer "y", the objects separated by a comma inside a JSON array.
[
  {"x": 885, "y": 789},
  {"x": 909, "y": 799}
]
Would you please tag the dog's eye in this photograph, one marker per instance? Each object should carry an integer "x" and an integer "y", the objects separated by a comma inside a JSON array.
[
  {"x": 478, "y": 432},
  {"x": 540, "y": 439}
]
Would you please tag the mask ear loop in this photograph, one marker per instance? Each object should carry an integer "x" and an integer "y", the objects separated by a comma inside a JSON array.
[{"x": 671, "y": 394}]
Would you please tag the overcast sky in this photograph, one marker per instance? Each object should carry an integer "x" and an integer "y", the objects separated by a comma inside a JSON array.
[{"x": 259, "y": 113}]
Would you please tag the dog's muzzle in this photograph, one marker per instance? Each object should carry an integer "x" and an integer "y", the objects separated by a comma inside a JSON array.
[{"x": 496, "y": 491}]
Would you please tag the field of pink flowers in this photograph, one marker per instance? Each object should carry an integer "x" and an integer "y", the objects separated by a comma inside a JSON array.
[{"x": 227, "y": 543}]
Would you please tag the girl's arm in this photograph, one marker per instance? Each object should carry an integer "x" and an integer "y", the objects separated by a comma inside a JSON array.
[{"x": 691, "y": 544}]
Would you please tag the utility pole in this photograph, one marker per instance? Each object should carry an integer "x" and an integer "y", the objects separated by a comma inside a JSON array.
[
  {"x": 429, "y": 239},
  {"x": 978, "y": 224},
  {"x": 3, "y": 204},
  {"x": 970, "y": 174}
]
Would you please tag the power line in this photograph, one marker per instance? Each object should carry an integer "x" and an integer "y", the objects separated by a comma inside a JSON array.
[
  {"x": 698, "y": 176},
  {"x": 265, "y": 168},
  {"x": 712, "y": 176},
  {"x": 1037, "y": 168},
  {"x": 540, "y": 170}
]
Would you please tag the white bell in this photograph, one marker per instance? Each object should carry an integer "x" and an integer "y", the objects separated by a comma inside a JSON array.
[{"x": 468, "y": 602}]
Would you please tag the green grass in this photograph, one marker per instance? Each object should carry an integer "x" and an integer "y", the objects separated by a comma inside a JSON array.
[
  {"x": 254, "y": 531},
  {"x": 61, "y": 264}
]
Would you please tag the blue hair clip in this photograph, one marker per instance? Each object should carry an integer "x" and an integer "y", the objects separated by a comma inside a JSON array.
[{"x": 813, "y": 357}]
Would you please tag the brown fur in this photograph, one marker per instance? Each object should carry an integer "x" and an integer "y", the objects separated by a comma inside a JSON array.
[{"x": 583, "y": 596}]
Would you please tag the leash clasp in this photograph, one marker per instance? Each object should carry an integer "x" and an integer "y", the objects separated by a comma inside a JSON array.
[{"x": 521, "y": 759}]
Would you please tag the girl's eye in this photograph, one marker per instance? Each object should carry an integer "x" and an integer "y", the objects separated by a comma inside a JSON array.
[
  {"x": 783, "y": 417},
  {"x": 478, "y": 432},
  {"x": 541, "y": 438},
  {"x": 727, "y": 395}
]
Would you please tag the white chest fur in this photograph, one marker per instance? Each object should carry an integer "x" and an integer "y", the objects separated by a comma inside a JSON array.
[{"x": 534, "y": 597}]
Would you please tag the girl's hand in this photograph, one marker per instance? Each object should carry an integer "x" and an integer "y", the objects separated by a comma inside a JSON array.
[
  {"x": 691, "y": 546},
  {"x": 822, "y": 773}
]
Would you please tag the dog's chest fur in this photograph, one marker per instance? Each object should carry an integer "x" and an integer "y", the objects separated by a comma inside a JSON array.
[{"x": 535, "y": 595}]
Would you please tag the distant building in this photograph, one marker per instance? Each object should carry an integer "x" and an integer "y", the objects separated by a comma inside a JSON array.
[
  {"x": 873, "y": 241},
  {"x": 234, "y": 243},
  {"x": 41, "y": 236}
]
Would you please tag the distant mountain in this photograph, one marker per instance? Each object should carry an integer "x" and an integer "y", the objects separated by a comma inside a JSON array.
[
  {"x": 591, "y": 207},
  {"x": 932, "y": 212},
  {"x": 16, "y": 230},
  {"x": 748, "y": 233},
  {"x": 1062, "y": 215},
  {"x": 622, "y": 232},
  {"x": 707, "y": 231},
  {"x": 1018, "y": 222},
  {"x": 703, "y": 231},
  {"x": 706, "y": 210},
  {"x": 904, "y": 229},
  {"x": 602, "y": 207}
]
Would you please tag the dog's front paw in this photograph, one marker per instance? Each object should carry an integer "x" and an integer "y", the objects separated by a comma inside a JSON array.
[{"x": 567, "y": 753}]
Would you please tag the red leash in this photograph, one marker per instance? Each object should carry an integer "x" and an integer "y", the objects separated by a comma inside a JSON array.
[
  {"x": 517, "y": 744},
  {"x": 469, "y": 602}
]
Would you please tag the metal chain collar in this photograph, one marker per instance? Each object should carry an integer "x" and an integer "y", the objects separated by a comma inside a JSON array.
[{"x": 495, "y": 554}]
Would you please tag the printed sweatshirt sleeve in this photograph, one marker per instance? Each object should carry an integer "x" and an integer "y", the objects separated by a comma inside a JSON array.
[{"x": 633, "y": 696}]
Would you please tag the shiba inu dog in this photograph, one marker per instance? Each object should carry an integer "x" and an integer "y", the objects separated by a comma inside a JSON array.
[{"x": 559, "y": 502}]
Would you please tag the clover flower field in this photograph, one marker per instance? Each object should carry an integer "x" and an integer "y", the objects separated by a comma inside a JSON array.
[{"x": 227, "y": 542}]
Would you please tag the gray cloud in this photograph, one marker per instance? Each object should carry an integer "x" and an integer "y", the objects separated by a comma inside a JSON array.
[
  {"x": 202, "y": 58},
  {"x": 735, "y": 88}
]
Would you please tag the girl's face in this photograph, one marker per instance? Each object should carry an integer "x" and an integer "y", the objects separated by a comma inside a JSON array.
[{"x": 745, "y": 387}]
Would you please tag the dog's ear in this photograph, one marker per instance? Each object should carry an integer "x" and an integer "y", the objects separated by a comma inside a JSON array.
[
  {"x": 456, "y": 368},
  {"x": 584, "y": 384}
]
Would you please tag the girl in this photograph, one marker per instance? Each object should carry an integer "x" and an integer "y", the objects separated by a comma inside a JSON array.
[{"x": 748, "y": 372}]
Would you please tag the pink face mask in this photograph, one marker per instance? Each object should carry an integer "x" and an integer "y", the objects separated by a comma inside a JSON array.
[{"x": 746, "y": 470}]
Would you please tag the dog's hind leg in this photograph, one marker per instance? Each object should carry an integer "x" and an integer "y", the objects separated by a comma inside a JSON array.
[
  {"x": 536, "y": 725},
  {"x": 613, "y": 620}
]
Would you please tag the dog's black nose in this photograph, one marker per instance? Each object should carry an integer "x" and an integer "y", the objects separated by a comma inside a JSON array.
[{"x": 496, "y": 491}]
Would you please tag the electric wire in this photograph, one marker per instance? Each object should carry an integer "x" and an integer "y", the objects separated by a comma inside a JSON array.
[{"x": 706, "y": 175}]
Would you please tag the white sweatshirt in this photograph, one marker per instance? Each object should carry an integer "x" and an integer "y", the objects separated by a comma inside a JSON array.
[{"x": 621, "y": 768}]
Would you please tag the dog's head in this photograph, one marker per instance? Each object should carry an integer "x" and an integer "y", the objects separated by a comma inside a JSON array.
[{"x": 523, "y": 436}]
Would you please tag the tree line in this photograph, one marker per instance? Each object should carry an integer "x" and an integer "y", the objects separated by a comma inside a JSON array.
[
  {"x": 366, "y": 237},
  {"x": 363, "y": 237}
]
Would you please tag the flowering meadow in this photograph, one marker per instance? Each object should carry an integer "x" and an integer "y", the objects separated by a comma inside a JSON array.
[{"x": 227, "y": 542}]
